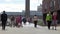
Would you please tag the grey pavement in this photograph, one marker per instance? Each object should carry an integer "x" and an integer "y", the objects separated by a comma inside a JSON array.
[{"x": 29, "y": 29}]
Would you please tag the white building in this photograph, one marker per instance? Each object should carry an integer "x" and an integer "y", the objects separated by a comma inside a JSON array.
[{"x": 39, "y": 8}]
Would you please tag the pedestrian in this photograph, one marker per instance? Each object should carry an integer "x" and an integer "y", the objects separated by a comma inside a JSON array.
[
  {"x": 24, "y": 20},
  {"x": 12, "y": 21},
  {"x": 20, "y": 21},
  {"x": 8, "y": 21},
  {"x": 35, "y": 20},
  {"x": 49, "y": 19},
  {"x": 17, "y": 21},
  {"x": 28, "y": 19},
  {"x": 3, "y": 19},
  {"x": 54, "y": 20}
]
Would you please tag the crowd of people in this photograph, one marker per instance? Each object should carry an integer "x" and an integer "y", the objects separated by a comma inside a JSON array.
[
  {"x": 51, "y": 19},
  {"x": 16, "y": 21}
]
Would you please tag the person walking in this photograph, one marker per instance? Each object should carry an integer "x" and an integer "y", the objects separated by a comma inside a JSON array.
[
  {"x": 24, "y": 20},
  {"x": 3, "y": 19},
  {"x": 35, "y": 20},
  {"x": 20, "y": 21},
  {"x": 54, "y": 20},
  {"x": 12, "y": 21},
  {"x": 49, "y": 19}
]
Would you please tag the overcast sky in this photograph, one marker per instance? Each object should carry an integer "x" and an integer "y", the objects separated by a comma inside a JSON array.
[{"x": 18, "y": 5}]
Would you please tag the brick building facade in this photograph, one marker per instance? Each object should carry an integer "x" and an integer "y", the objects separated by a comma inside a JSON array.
[{"x": 50, "y": 5}]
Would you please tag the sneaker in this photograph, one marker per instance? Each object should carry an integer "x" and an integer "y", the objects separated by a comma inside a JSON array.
[
  {"x": 52, "y": 28},
  {"x": 55, "y": 29},
  {"x": 49, "y": 28}
]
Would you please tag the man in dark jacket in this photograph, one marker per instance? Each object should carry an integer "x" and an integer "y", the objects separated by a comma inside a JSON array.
[
  {"x": 3, "y": 19},
  {"x": 24, "y": 20}
]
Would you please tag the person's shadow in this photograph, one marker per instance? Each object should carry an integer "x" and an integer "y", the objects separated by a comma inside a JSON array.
[{"x": 3, "y": 30}]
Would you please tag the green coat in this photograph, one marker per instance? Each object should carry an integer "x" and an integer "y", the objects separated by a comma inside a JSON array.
[{"x": 48, "y": 17}]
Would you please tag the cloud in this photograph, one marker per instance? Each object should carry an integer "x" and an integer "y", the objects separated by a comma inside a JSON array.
[
  {"x": 12, "y": 1},
  {"x": 17, "y": 5},
  {"x": 34, "y": 4},
  {"x": 8, "y": 0},
  {"x": 12, "y": 7}
]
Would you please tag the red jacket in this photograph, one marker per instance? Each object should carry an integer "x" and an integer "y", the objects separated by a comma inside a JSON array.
[
  {"x": 18, "y": 19},
  {"x": 54, "y": 17}
]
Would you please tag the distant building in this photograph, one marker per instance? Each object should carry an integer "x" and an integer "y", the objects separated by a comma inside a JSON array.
[
  {"x": 27, "y": 8},
  {"x": 32, "y": 13},
  {"x": 39, "y": 8},
  {"x": 51, "y": 5}
]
